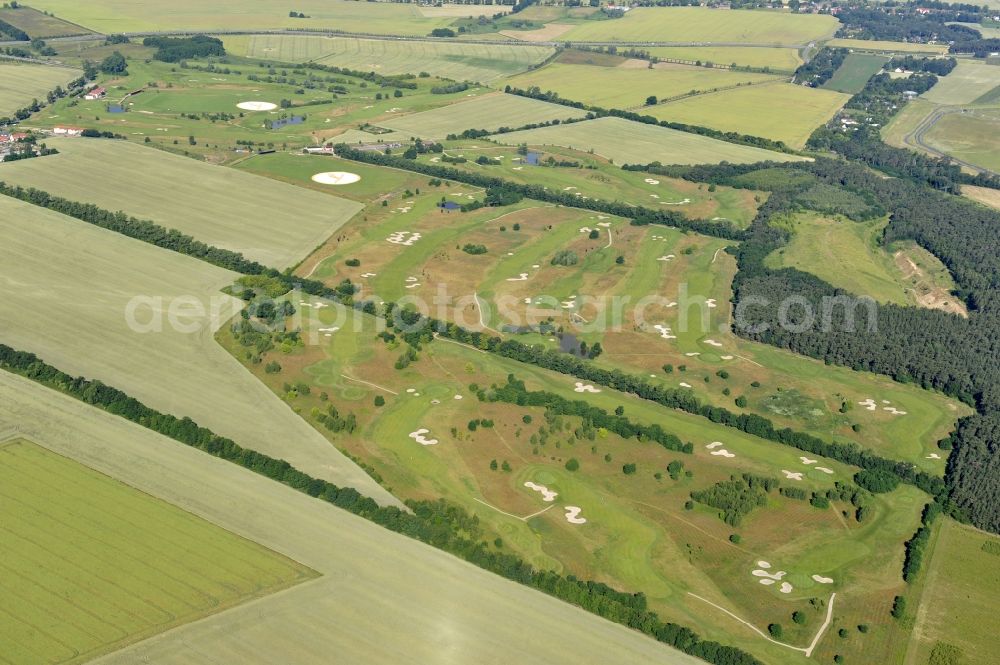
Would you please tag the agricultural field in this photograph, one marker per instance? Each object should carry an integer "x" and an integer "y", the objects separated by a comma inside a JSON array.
[
  {"x": 489, "y": 112},
  {"x": 965, "y": 84},
  {"x": 361, "y": 564},
  {"x": 854, "y": 72},
  {"x": 21, "y": 83},
  {"x": 628, "y": 142},
  {"x": 849, "y": 255},
  {"x": 972, "y": 136},
  {"x": 778, "y": 59},
  {"x": 460, "y": 62},
  {"x": 962, "y": 582},
  {"x": 138, "y": 564},
  {"x": 628, "y": 85},
  {"x": 115, "y": 16},
  {"x": 707, "y": 26},
  {"x": 888, "y": 47},
  {"x": 779, "y": 111},
  {"x": 39, "y": 25},
  {"x": 142, "y": 318},
  {"x": 235, "y": 211}
]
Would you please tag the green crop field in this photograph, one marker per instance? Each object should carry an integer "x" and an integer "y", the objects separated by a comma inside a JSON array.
[
  {"x": 266, "y": 221},
  {"x": 702, "y": 24},
  {"x": 488, "y": 112},
  {"x": 111, "y": 16},
  {"x": 782, "y": 59},
  {"x": 888, "y": 47},
  {"x": 21, "y": 83},
  {"x": 628, "y": 142},
  {"x": 142, "y": 319},
  {"x": 137, "y": 564},
  {"x": 854, "y": 72},
  {"x": 966, "y": 83},
  {"x": 626, "y": 87},
  {"x": 461, "y": 62},
  {"x": 373, "y": 581},
  {"x": 962, "y": 583},
  {"x": 37, "y": 24},
  {"x": 780, "y": 111}
]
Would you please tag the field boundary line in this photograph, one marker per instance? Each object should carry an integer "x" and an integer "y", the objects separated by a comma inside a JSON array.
[
  {"x": 806, "y": 650},
  {"x": 503, "y": 512},
  {"x": 369, "y": 383}
]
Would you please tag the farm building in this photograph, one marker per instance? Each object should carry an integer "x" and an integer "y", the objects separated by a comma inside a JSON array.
[{"x": 96, "y": 93}]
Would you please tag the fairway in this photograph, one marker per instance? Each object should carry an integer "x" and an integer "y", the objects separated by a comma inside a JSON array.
[
  {"x": 461, "y": 62},
  {"x": 628, "y": 142},
  {"x": 966, "y": 83},
  {"x": 780, "y": 111},
  {"x": 781, "y": 59},
  {"x": 489, "y": 112},
  {"x": 626, "y": 86},
  {"x": 21, "y": 83},
  {"x": 67, "y": 289},
  {"x": 702, "y": 24},
  {"x": 264, "y": 220},
  {"x": 888, "y": 47},
  {"x": 137, "y": 564},
  {"x": 854, "y": 72},
  {"x": 963, "y": 580},
  {"x": 115, "y": 16},
  {"x": 378, "y": 589}
]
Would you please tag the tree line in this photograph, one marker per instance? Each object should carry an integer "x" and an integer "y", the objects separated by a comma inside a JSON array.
[{"x": 437, "y": 523}]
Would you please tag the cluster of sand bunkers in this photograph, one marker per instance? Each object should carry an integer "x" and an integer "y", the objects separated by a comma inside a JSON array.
[
  {"x": 797, "y": 475},
  {"x": 585, "y": 388},
  {"x": 412, "y": 282},
  {"x": 328, "y": 332},
  {"x": 313, "y": 305},
  {"x": 419, "y": 437},
  {"x": 872, "y": 405},
  {"x": 666, "y": 257},
  {"x": 548, "y": 496},
  {"x": 767, "y": 578},
  {"x": 405, "y": 238},
  {"x": 719, "y": 452},
  {"x": 336, "y": 178}
]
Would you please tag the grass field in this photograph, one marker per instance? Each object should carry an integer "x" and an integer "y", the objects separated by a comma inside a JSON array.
[
  {"x": 854, "y": 72},
  {"x": 37, "y": 24},
  {"x": 137, "y": 564},
  {"x": 626, "y": 87},
  {"x": 377, "y": 591},
  {"x": 488, "y": 112},
  {"x": 21, "y": 83},
  {"x": 888, "y": 47},
  {"x": 972, "y": 136},
  {"x": 962, "y": 583},
  {"x": 112, "y": 16},
  {"x": 782, "y": 111},
  {"x": 701, "y": 24},
  {"x": 83, "y": 278},
  {"x": 966, "y": 83},
  {"x": 461, "y": 62},
  {"x": 628, "y": 142},
  {"x": 266, "y": 221},
  {"x": 781, "y": 59}
]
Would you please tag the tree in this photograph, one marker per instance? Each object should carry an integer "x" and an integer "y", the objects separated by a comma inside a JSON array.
[
  {"x": 506, "y": 466},
  {"x": 493, "y": 465},
  {"x": 877, "y": 481},
  {"x": 775, "y": 630},
  {"x": 620, "y": 260},
  {"x": 898, "y": 607},
  {"x": 799, "y": 617},
  {"x": 114, "y": 64},
  {"x": 572, "y": 464},
  {"x": 379, "y": 400},
  {"x": 628, "y": 469},
  {"x": 651, "y": 100}
]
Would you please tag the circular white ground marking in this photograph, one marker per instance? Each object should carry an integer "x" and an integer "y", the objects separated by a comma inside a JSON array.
[
  {"x": 336, "y": 178},
  {"x": 257, "y": 106}
]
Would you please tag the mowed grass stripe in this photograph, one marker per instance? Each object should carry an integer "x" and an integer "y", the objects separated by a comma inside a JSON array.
[
  {"x": 267, "y": 221},
  {"x": 86, "y": 579},
  {"x": 628, "y": 142},
  {"x": 489, "y": 112}
]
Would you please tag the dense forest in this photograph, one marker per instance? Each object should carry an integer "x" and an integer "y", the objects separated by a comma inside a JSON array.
[
  {"x": 175, "y": 49},
  {"x": 904, "y": 22},
  {"x": 437, "y": 523},
  {"x": 821, "y": 68}
]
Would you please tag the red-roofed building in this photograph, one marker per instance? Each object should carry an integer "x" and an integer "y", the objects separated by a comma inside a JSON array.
[{"x": 96, "y": 93}]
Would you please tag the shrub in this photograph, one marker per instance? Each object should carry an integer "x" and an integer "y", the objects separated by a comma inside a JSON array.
[
  {"x": 565, "y": 257},
  {"x": 354, "y": 263},
  {"x": 572, "y": 464},
  {"x": 877, "y": 481}
]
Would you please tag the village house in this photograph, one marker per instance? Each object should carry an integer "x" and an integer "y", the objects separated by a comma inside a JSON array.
[{"x": 96, "y": 93}]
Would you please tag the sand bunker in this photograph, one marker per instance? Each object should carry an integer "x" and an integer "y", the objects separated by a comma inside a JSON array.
[
  {"x": 722, "y": 452},
  {"x": 766, "y": 582},
  {"x": 336, "y": 178},
  {"x": 792, "y": 475},
  {"x": 726, "y": 357},
  {"x": 760, "y": 572},
  {"x": 869, "y": 404},
  {"x": 257, "y": 106},
  {"x": 331, "y": 329},
  {"x": 714, "y": 444},
  {"x": 692, "y": 354},
  {"x": 712, "y": 342},
  {"x": 710, "y": 302},
  {"x": 604, "y": 224},
  {"x": 764, "y": 564},
  {"x": 664, "y": 331},
  {"x": 806, "y": 460},
  {"x": 368, "y": 274},
  {"x": 655, "y": 196},
  {"x": 824, "y": 469},
  {"x": 523, "y": 277},
  {"x": 547, "y": 494},
  {"x": 786, "y": 587},
  {"x": 894, "y": 411},
  {"x": 458, "y": 397},
  {"x": 419, "y": 437},
  {"x": 572, "y": 515},
  {"x": 685, "y": 385},
  {"x": 822, "y": 580},
  {"x": 585, "y": 388},
  {"x": 933, "y": 456},
  {"x": 676, "y": 203},
  {"x": 586, "y": 229},
  {"x": 404, "y": 238},
  {"x": 413, "y": 286},
  {"x": 666, "y": 257}
]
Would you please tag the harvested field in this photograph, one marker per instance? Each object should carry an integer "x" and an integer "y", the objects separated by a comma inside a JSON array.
[{"x": 20, "y": 83}]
